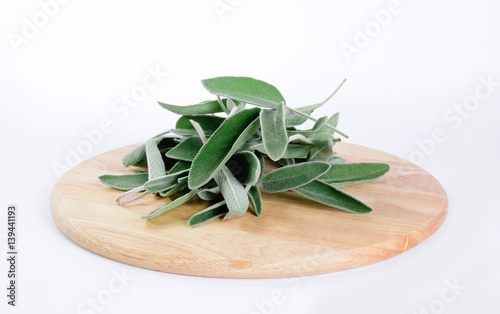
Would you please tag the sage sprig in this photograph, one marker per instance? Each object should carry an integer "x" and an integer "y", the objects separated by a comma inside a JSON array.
[{"x": 216, "y": 154}]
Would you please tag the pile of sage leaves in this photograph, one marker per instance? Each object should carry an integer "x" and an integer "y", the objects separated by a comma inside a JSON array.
[{"x": 217, "y": 149}]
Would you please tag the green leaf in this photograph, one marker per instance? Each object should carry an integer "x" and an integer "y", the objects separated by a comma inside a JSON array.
[
  {"x": 207, "y": 122},
  {"x": 182, "y": 180},
  {"x": 173, "y": 190},
  {"x": 255, "y": 199},
  {"x": 321, "y": 136},
  {"x": 322, "y": 150},
  {"x": 349, "y": 174},
  {"x": 323, "y": 193},
  {"x": 156, "y": 166},
  {"x": 124, "y": 182},
  {"x": 223, "y": 143},
  {"x": 233, "y": 192},
  {"x": 164, "y": 183},
  {"x": 208, "y": 214},
  {"x": 245, "y": 166},
  {"x": 305, "y": 133},
  {"x": 209, "y": 194},
  {"x": 186, "y": 150},
  {"x": 184, "y": 132},
  {"x": 292, "y": 177},
  {"x": 139, "y": 153},
  {"x": 262, "y": 163},
  {"x": 245, "y": 89},
  {"x": 336, "y": 160},
  {"x": 178, "y": 201},
  {"x": 319, "y": 124},
  {"x": 210, "y": 106},
  {"x": 293, "y": 119},
  {"x": 179, "y": 166},
  {"x": 292, "y": 151},
  {"x": 274, "y": 136},
  {"x": 333, "y": 121},
  {"x": 296, "y": 151}
]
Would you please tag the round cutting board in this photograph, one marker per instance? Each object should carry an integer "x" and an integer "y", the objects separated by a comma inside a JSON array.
[{"x": 293, "y": 237}]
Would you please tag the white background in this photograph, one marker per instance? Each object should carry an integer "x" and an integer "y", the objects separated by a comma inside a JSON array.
[{"x": 403, "y": 84}]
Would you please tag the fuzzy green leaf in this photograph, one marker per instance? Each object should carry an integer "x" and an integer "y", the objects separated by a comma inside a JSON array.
[
  {"x": 208, "y": 214},
  {"x": 138, "y": 154},
  {"x": 210, "y": 106},
  {"x": 164, "y": 183},
  {"x": 186, "y": 150},
  {"x": 274, "y": 136},
  {"x": 245, "y": 89},
  {"x": 156, "y": 166},
  {"x": 333, "y": 121},
  {"x": 321, "y": 150},
  {"x": 207, "y": 122},
  {"x": 233, "y": 192},
  {"x": 319, "y": 124},
  {"x": 209, "y": 194},
  {"x": 336, "y": 160},
  {"x": 350, "y": 174},
  {"x": 223, "y": 143},
  {"x": 178, "y": 201},
  {"x": 172, "y": 191},
  {"x": 261, "y": 162},
  {"x": 292, "y": 177},
  {"x": 255, "y": 199},
  {"x": 246, "y": 167},
  {"x": 331, "y": 196},
  {"x": 179, "y": 166},
  {"x": 293, "y": 119},
  {"x": 124, "y": 182}
]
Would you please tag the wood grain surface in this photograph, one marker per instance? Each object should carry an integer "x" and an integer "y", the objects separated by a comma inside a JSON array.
[{"x": 293, "y": 237}]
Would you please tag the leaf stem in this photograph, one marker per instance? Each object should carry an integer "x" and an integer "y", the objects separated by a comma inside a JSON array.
[
  {"x": 221, "y": 104},
  {"x": 334, "y": 92},
  {"x": 314, "y": 119}
]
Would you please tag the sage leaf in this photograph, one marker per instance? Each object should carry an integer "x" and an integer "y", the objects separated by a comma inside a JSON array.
[
  {"x": 245, "y": 166},
  {"x": 324, "y": 193},
  {"x": 139, "y": 153},
  {"x": 173, "y": 190},
  {"x": 209, "y": 194},
  {"x": 233, "y": 191},
  {"x": 156, "y": 166},
  {"x": 319, "y": 124},
  {"x": 292, "y": 177},
  {"x": 255, "y": 199},
  {"x": 274, "y": 136},
  {"x": 230, "y": 104},
  {"x": 261, "y": 162},
  {"x": 293, "y": 119},
  {"x": 245, "y": 89},
  {"x": 180, "y": 166},
  {"x": 124, "y": 182},
  {"x": 207, "y": 122},
  {"x": 178, "y": 201},
  {"x": 322, "y": 136},
  {"x": 322, "y": 150},
  {"x": 226, "y": 140},
  {"x": 212, "y": 212},
  {"x": 336, "y": 160},
  {"x": 164, "y": 182},
  {"x": 341, "y": 175},
  {"x": 186, "y": 150},
  {"x": 211, "y": 106},
  {"x": 333, "y": 121},
  {"x": 299, "y": 138}
]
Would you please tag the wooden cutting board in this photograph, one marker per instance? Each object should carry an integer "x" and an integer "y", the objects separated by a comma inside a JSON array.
[{"x": 293, "y": 237}]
